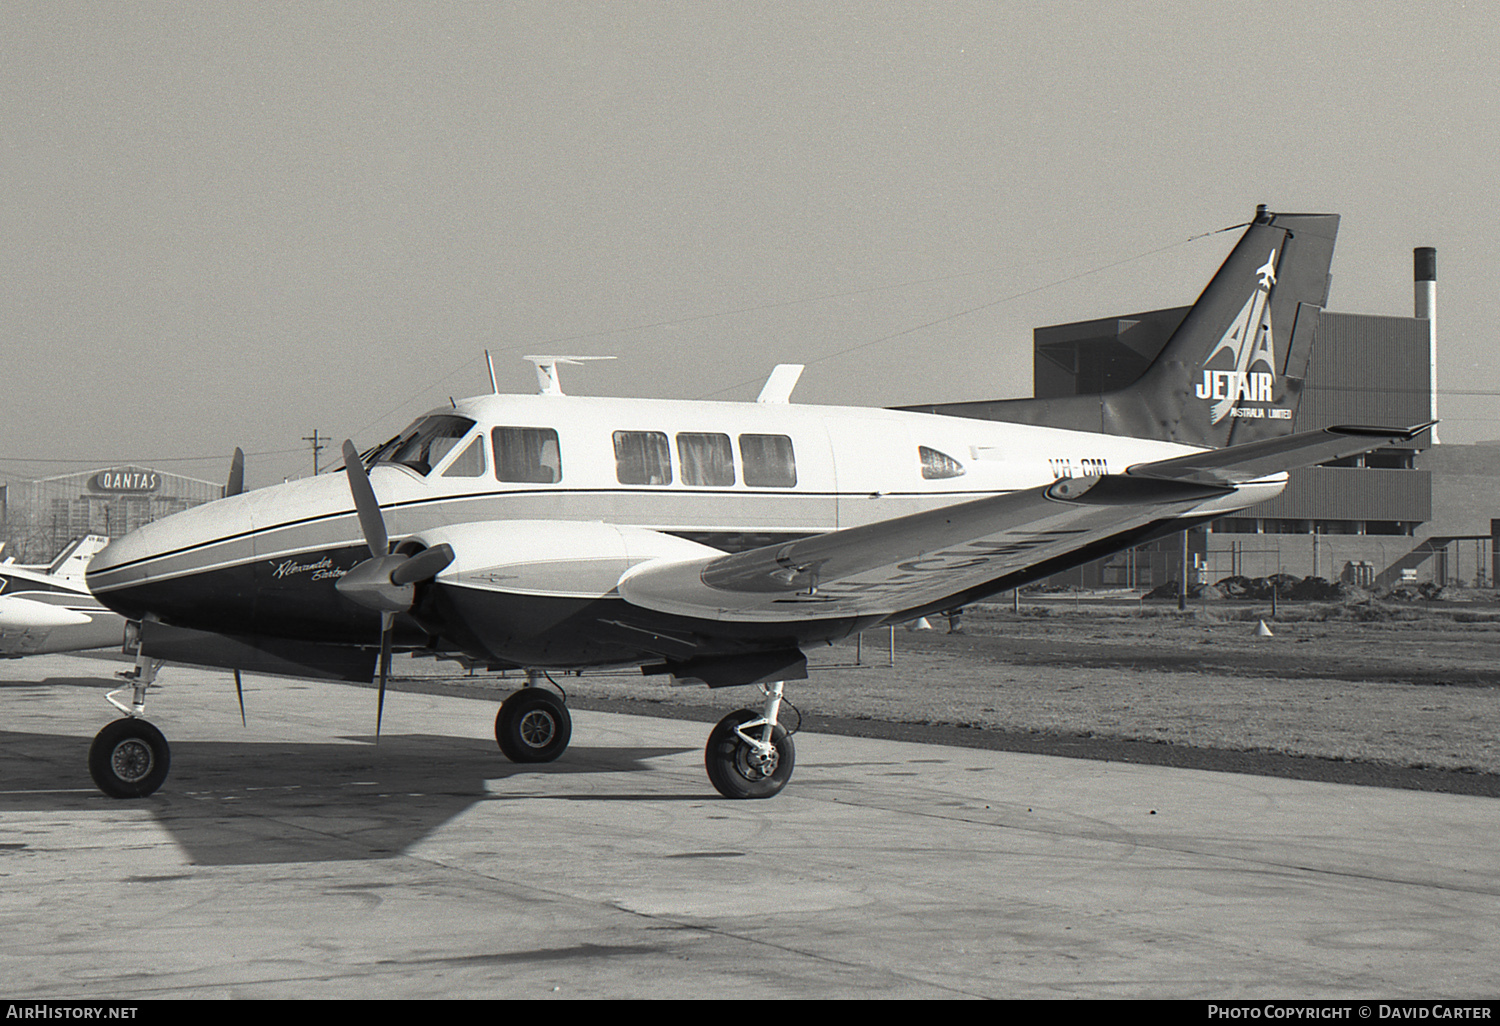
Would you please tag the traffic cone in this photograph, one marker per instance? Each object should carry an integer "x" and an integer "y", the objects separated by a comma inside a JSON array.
[{"x": 1263, "y": 631}]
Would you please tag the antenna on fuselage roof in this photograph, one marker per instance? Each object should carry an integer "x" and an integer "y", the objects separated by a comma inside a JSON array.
[
  {"x": 546, "y": 370},
  {"x": 778, "y": 387}
]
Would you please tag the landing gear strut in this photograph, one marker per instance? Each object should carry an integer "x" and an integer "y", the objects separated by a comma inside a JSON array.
[
  {"x": 749, "y": 754},
  {"x": 533, "y": 725},
  {"x": 129, "y": 758}
]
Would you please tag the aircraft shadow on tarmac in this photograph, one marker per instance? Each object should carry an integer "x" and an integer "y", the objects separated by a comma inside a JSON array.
[{"x": 238, "y": 803}]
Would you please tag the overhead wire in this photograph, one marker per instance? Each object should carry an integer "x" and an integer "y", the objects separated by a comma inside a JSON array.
[
  {"x": 754, "y": 308},
  {"x": 147, "y": 459},
  {"x": 983, "y": 306}
]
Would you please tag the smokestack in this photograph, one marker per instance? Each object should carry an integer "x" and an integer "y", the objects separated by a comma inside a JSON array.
[{"x": 1424, "y": 276}]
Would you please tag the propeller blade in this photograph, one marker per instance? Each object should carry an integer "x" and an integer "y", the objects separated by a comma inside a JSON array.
[
  {"x": 365, "y": 503},
  {"x": 386, "y": 622},
  {"x": 240, "y": 690},
  {"x": 236, "y": 483},
  {"x": 425, "y": 565}
]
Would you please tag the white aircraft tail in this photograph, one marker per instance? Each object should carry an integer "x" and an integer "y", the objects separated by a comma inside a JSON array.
[{"x": 74, "y": 560}]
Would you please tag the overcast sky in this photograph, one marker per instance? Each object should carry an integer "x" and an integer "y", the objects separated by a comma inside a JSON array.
[{"x": 232, "y": 223}]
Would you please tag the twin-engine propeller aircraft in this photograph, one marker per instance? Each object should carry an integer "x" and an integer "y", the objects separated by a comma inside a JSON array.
[
  {"x": 717, "y": 541},
  {"x": 48, "y": 608}
]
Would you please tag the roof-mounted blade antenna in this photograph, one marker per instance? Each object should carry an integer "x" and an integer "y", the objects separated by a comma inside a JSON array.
[
  {"x": 490, "y": 363},
  {"x": 547, "y": 382},
  {"x": 778, "y": 387}
]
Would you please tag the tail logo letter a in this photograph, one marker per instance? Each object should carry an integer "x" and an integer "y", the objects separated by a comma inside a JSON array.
[{"x": 1250, "y": 341}]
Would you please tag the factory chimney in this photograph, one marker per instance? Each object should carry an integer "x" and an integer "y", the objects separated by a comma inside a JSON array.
[{"x": 1424, "y": 275}]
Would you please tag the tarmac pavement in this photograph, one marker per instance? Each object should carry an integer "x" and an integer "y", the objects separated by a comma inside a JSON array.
[{"x": 296, "y": 857}]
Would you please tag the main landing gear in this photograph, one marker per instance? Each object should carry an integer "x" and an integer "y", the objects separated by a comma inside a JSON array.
[
  {"x": 533, "y": 724},
  {"x": 129, "y": 758},
  {"x": 748, "y": 755}
]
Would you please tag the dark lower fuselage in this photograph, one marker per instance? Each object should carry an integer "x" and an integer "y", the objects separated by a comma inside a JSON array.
[
  {"x": 253, "y": 569},
  {"x": 295, "y": 598}
]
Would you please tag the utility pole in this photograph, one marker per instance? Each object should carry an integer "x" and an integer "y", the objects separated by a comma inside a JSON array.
[
  {"x": 317, "y": 447},
  {"x": 1182, "y": 585}
]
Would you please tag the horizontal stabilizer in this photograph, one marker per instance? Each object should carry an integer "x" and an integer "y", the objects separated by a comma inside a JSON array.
[{"x": 1255, "y": 460}]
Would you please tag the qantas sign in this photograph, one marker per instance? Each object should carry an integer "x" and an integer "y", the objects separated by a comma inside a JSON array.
[{"x": 129, "y": 479}]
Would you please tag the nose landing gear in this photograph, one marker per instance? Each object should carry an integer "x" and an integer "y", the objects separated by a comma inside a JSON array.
[{"x": 130, "y": 758}]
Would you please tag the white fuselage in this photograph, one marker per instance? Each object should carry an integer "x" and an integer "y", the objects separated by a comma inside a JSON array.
[{"x": 852, "y": 466}]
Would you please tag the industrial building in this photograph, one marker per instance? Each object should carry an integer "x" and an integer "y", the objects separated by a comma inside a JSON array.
[{"x": 38, "y": 518}]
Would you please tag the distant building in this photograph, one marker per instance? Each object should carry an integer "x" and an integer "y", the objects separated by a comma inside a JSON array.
[
  {"x": 38, "y": 518},
  {"x": 1458, "y": 545}
]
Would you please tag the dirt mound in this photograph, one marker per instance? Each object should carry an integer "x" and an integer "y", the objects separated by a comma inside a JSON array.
[{"x": 1283, "y": 586}]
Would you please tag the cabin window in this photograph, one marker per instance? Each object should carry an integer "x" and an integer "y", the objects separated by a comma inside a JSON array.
[
  {"x": 769, "y": 461},
  {"x": 642, "y": 457},
  {"x": 706, "y": 459},
  {"x": 938, "y": 465},
  {"x": 425, "y": 444},
  {"x": 470, "y": 462},
  {"x": 527, "y": 454}
]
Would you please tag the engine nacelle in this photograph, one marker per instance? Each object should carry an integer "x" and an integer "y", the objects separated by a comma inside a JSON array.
[{"x": 566, "y": 558}]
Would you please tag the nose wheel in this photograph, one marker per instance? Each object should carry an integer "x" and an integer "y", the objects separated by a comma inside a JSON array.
[{"x": 129, "y": 758}]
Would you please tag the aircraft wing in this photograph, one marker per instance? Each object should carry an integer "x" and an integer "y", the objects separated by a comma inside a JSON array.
[
  {"x": 30, "y": 626},
  {"x": 918, "y": 560},
  {"x": 23, "y": 614}
]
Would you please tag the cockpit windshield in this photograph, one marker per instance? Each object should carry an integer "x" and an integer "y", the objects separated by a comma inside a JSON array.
[{"x": 424, "y": 444}]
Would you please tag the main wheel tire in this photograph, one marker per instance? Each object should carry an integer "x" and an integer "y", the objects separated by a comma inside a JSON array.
[
  {"x": 129, "y": 758},
  {"x": 734, "y": 768},
  {"x": 533, "y": 725}
]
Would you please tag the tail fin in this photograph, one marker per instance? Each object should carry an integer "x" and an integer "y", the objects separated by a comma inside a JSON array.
[
  {"x": 1233, "y": 371},
  {"x": 73, "y": 561}
]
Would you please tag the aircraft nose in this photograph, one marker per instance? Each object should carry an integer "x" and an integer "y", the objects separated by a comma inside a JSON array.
[{"x": 179, "y": 568}]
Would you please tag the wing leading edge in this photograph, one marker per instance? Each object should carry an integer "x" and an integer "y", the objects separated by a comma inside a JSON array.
[{"x": 908, "y": 562}]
